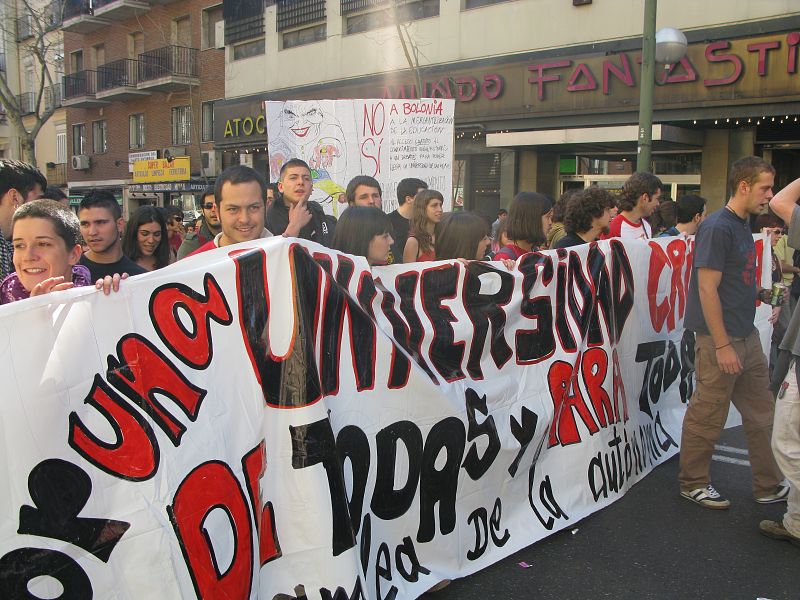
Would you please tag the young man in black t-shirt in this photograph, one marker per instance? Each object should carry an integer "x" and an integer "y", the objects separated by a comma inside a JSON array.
[
  {"x": 730, "y": 362},
  {"x": 401, "y": 217},
  {"x": 101, "y": 227}
]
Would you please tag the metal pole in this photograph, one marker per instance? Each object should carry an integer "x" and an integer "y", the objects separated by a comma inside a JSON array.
[{"x": 646, "y": 87}]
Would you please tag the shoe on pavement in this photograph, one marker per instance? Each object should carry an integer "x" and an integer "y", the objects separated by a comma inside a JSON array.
[
  {"x": 776, "y": 531},
  {"x": 707, "y": 497},
  {"x": 779, "y": 495}
]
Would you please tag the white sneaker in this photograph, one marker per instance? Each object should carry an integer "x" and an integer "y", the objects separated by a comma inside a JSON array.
[{"x": 707, "y": 497}]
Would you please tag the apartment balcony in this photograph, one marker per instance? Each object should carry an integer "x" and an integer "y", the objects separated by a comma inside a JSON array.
[
  {"x": 168, "y": 69},
  {"x": 117, "y": 80},
  {"x": 53, "y": 96},
  {"x": 56, "y": 173},
  {"x": 80, "y": 90},
  {"x": 27, "y": 103},
  {"x": 25, "y": 28},
  {"x": 119, "y": 10},
  {"x": 79, "y": 17}
]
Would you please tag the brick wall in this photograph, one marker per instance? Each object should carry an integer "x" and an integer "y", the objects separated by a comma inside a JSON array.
[{"x": 156, "y": 25}]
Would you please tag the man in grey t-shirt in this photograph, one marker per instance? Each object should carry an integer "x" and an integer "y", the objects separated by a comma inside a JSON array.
[
  {"x": 786, "y": 429},
  {"x": 729, "y": 361}
]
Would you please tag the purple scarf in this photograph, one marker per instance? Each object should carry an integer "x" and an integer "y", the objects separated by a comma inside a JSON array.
[{"x": 12, "y": 289}]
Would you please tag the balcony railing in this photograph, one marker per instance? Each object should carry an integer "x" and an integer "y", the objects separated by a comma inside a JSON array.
[
  {"x": 27, "y": 103},
  {"x": 77, "y": 8},
  {"x": 168, "y": 61},
  {"x": 118, "y": 73},
  {"x": 82, "y": 83},
  {"x": 53, "y": 96},
  {"x": 57, "y": 173},
  {"x": 24, "y": 27}
]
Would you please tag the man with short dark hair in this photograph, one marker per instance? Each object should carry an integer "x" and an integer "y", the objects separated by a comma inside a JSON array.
[
  {"x": 364, "y": 190},
  {"x": 690, "y": 210},
  {"x": 55, "y": 193},
  {"x": 209, "y": 227},
  {"x": 272, "y": 193},
  {"x": 730, "y": 362},
  {"x": 102, "y": 225},
  {"x": 638, "y": 200},
  {"x": 502, "y": 215},
  {"x": 401, "y": 216},
  {"x": 295, "y": 185},
  {"x": 239, "y": 193},
  {"x": 19, "y": 183},
  {"x": 586, "y": 217}
]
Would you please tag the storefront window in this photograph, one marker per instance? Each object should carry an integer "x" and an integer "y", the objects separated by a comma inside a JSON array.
[{"x": 678, "y": 164}]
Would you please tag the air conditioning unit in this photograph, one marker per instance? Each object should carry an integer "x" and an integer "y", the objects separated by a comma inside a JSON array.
[
  {"x": 80, "y": 162},
  {"x": 211, "y": 162}
]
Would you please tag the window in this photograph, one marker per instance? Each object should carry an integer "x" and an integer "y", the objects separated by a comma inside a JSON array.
[
  {"x": 135, "y": 44},
  {"x": 308, "y": 35},
  {"x": 78, "y": 139},
  {"x": 249, "y": 49},
  {"x": 99, "y": 138},
  {"x": 182, "y": 31},
  {"x": 181, "y": 125},
  {"x": 208, "y": 122},
  {"x": 410, "y": 11},
  {"x": 244, "y": 20},
  {"x": 61, "y": 147},
  {"x": 136, "y": 131},
  {"x": 99, "y": 52},
  {"x": 478, "y": 3},
  {"x": 296, "y": 13},
  {"x": 213, "y": 32},
  {"x": 76, "y": 61}
]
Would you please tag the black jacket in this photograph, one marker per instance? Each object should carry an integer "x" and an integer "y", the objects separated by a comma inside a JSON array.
[{"x": 319, "y": 229}]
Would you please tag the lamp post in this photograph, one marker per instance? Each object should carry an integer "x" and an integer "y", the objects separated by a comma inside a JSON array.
[{"x": 667, "y": 46}]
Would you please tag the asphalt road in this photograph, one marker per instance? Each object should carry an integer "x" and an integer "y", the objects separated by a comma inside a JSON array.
[{"x": 654, "y": 545}]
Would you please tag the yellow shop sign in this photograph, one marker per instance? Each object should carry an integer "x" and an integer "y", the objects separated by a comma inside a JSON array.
[{"x": 161, "y": 169}]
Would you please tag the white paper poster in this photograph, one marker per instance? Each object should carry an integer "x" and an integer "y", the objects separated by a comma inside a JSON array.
[{"x": 385, "y": 139}]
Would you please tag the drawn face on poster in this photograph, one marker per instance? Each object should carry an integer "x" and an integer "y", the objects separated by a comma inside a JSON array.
[{"x": 305, "y": 130}]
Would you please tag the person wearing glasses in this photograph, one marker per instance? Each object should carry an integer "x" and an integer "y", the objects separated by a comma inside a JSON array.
[
  {"x": 209, "y": 227},
  {"x": 173, "y": 215}
]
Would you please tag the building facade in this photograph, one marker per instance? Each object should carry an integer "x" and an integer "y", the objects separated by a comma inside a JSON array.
[
  {"x": 140, "y": 84},
  {"x": 32, "y": 65},
  {"x": 547, "y": 90}
]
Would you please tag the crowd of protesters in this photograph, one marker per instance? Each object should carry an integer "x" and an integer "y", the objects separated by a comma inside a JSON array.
[{"x": 45, "y": 247}]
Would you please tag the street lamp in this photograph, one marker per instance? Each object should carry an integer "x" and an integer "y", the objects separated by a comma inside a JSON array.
[{"x": 667, "y": 46}]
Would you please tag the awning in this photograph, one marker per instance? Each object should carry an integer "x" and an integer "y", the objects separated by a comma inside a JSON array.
[
  {"x": 619, "y": 138},
  {"x": 195, "y": 185}
]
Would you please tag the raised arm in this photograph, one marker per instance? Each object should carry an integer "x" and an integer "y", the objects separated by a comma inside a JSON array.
[{"x": 783, "y": 203}]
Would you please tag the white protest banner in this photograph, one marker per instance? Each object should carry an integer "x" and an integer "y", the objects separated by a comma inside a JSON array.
[
  {"x": 258, "y": 420},
  {"x": 385, "y": 139}
]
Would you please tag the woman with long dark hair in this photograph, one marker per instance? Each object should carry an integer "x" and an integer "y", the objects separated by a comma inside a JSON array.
[
  {"x": 427, "y": 212},
  {"x": 529, "y": 220},
  {"x": 364, "y": 231},
  {"x": 146, "y": 239},
  {"x": 462, "y": 235}
]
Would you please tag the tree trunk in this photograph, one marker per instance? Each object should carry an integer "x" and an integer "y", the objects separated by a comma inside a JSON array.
[{"x": 28, "y": 145}]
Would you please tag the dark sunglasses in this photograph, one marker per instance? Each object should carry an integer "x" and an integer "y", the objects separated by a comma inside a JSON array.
[{"x": 208, "y": 206}]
